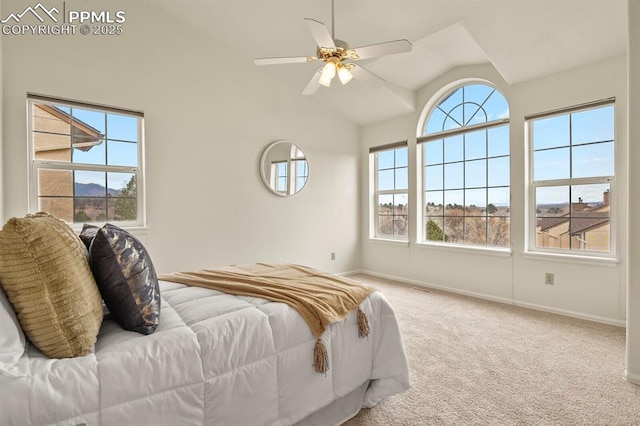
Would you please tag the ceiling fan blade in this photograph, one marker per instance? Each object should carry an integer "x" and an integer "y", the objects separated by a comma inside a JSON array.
[
  {"x": 367, "y": 77},
  {"x": 320, "y": 33},
  {"x": 381, "y": 49},
  {"x": 313, "y": 85},
  {"x": 285, "y": 60}
]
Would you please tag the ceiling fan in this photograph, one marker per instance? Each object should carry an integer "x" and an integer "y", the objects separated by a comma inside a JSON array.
[{"x": 338, "y": 57}]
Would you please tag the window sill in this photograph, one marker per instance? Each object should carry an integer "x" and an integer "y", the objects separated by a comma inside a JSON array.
[
  {"x": 135, "y": 230},
  {"x": 486, "y": 251},
  {"x": 572, "y": 258},
  {"x": 391, "y": 242}
]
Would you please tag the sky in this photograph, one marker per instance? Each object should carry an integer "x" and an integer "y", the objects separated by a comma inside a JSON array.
[
  {"x": 119, "y": 148},
  {"x": 578, "y": 145}
]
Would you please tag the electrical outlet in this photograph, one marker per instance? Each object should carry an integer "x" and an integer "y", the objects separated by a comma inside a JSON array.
[
  {"x": 549, "y": 278},
  {"x": 333, "y": 255}
]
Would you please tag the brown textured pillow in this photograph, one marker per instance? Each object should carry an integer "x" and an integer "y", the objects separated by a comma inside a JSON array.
[{"x": 44, "y": 270}]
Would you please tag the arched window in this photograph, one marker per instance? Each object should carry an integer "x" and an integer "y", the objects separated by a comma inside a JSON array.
[{"x": 465, "y": 168}]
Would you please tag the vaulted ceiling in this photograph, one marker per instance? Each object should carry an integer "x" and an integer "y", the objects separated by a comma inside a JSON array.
[{"x": 523, "y": 39}]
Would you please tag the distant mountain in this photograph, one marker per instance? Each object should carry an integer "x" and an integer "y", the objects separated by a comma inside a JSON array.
[
  {"x": 94, "y": 190},
  {"x": 552, "y": 205}
]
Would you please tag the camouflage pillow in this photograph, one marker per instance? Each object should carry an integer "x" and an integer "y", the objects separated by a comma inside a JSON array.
[
  {"x": 88, "y": 234},
  {"x": 126, "y": 278}
]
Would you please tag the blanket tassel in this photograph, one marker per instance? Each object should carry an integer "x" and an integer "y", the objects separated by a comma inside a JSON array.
[
  {"x": 363, "y": 324},
  {"x": 320, "y": 357}
]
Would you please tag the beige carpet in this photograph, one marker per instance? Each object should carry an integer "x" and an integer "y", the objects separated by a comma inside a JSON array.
[{"x": 478, "y": 362}]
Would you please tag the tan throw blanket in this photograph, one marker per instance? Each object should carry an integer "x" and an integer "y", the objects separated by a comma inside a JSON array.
[{"x": 320, "y": 298}]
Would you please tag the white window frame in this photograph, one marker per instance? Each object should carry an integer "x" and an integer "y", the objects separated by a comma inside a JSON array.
[
  {"x": 34, "y": 165},
  {"x": 276, "y": 176},
  {"x": 533, "y": 185},
  {"x": 294, "y": 170},
  {"x": 375, "y": 193},
  {"x": 300, "y": 170}
]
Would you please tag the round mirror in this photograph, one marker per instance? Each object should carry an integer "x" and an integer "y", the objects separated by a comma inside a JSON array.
[{"x": 284, "y": 168}]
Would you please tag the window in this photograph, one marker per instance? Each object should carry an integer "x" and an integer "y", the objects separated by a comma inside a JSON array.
[
  {"x": 289, "y": 172},
  {"x": 465, "y": 169},
  {"x": 86, "y": 162},
  {"x": 572, "y": 178},
  {"x": 280, "y": 176},
  {"x": 300, "y": 169},
  {"x": 390, "y": 165}
]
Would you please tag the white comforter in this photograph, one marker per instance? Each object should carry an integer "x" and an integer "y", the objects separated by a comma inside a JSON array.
[{"x": 215, "y": 359}]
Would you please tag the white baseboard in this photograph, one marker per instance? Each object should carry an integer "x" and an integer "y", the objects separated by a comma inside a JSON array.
[
  {"x": 440, "y": 287},
  {"x": 632, "y": 378},
  {"x": 579, "y": 315},
  {"x": 573, "y": 314},
  {"x": 346, "y": 274}
]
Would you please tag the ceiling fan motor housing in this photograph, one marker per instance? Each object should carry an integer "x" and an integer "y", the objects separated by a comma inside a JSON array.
[{"x": 335, "y": 55}]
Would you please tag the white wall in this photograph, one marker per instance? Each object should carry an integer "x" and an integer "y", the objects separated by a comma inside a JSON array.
[
  {"x": 633, "y": 302},
  {"x": 595, "y": 290},
  {"x": 209, "y": 114},
  {"x": 581, "y": 289},
  {"x": 1, "y": 133}
]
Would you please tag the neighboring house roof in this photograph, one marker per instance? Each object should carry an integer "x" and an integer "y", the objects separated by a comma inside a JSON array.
[
  {"x": 580, "y": 225},
  {"x": 84, "y": 136},
  {"x": 581, "y": 221},
  {"x": 545, "y": 223}
]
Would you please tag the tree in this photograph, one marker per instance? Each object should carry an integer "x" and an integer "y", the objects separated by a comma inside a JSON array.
[
  {"x": 498, "y": 232},
  {"x": 491, "y": 209},
  {"x": 475, "y": 230},
  {"x": 125, "y": 207},
  {"x": 81, "y": 216},
  {"x": 435, "y": 233}
]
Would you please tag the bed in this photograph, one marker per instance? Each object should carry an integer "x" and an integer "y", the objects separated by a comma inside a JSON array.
[{"x": 213, "y": 358}]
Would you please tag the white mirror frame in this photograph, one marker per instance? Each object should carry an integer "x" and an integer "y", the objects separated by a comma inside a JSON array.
[{"x": 283, "y": 166}]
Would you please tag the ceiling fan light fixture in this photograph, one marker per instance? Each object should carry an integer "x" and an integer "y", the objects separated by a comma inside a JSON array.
[
  {"x": 344, "y": 75},
  {"x": 324, "y": 82},
  {"x": 328, "y": 72}
]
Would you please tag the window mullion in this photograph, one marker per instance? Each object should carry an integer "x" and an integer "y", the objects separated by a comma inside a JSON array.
[
  {"x": 461, "y": 130},
  {"x": 73, "y": 188},
  {"x": 576, "y": 181},
  {"x": 464, "y": 182},
  {"x": 486, "y": 192},
  {"x": 83, "y": 167},
  {"x": 392, "y": 192}
]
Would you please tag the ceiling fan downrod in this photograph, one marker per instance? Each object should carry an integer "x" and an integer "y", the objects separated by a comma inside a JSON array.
[{"x": 333, "y": 20}]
